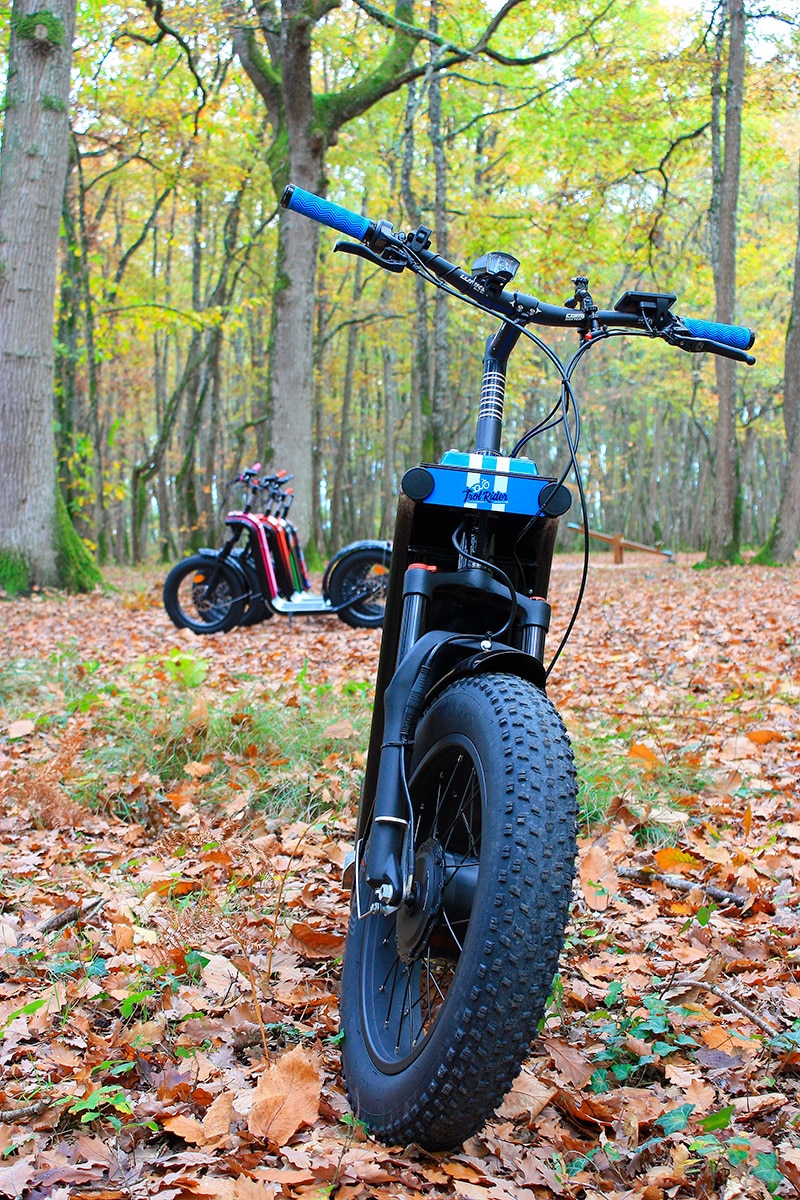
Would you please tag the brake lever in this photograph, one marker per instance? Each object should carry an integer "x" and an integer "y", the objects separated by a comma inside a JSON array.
[
  {"x": 396, "y": 265},
  {"x": 697, "y": 345}
]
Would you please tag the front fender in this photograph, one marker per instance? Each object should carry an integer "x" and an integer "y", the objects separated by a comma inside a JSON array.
[
  {"x": 231, "y": 560},
  {"x": 505, "y": 659},
  {"x": 368, "y": 544}
]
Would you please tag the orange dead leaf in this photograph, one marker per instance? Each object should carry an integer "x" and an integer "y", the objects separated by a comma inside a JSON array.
[
  {"x": 217, "y": 1121},
  {"x": 729, "y": 1042},
  {"x": 527, "y": 1096},
  {"x": 186, "y": 1127},
  {"x": 762, "y": 736},
  {"x": 569, "y": 1062},
  {"x": 198, "y": 769},
  {"x": 640, "y": 751},
  {"x": 315, "y": 943},
  {"x": 671, "y": 858},
  {"x": 287, "y": 1097},
  {"x": 599, "y": 879},
  {"x": 341, "y": 729},
  {"x": 457, "y": 1170}
]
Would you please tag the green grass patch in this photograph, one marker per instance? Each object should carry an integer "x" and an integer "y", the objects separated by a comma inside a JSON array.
[{"x": 158, "y": 726}]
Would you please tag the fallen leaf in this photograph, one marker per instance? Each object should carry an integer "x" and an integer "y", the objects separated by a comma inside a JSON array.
[
  {"x": 599, "y": 879},
  {"x": 217, "y": 1121},
  {"x": 527, "y": 1096},
  {"x": 188, "y": 1128},
  {"x": 14, "y": 1179},
  {"x": 287, "y": 1097},
  {"x": 198, "y": 769},
  {"x": 568, "y": 1061},
  {"x": 314, "y": 943},
  {"x": 220, "y": 975},
  {"x": 20, "y": 729},
  {"x": 645, "y": 754},
  {"x": 672, "y": 858},
  {"x": 340, "y": 729}
]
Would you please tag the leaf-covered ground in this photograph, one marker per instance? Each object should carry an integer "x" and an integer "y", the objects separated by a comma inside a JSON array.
[{"x": 175, "y": 816}]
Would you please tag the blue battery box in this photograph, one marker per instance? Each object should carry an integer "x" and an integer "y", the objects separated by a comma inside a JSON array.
[{"x": 486, "y": 483}]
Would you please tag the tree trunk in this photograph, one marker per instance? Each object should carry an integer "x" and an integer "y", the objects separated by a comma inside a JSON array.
[
  {"x": 725, "y": 531},
  {"x": 420, "y": 398},
  {"x": 33, "y": 168},
  {"x": 783, "y": 539},
  {"x": 442, "y": 408}
]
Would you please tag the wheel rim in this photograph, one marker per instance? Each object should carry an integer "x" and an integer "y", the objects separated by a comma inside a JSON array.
[
  {"x": 410, "y": 958},
  {"x": 208, "y": 607},
  {"x": 372, "y": 579}
]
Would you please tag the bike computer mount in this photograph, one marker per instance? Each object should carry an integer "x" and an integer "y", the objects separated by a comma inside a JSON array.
[{"x": 653, "y": 306}]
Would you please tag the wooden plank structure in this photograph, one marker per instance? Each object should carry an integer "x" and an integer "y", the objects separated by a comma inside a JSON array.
[{"x": 619, "y": 543}]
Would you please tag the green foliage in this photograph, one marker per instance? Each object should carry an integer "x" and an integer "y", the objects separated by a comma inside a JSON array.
[
  {"x": 185, "y": 668},
  {"x": 618, "y": 1063},
  {"x": 77, "y": 571},
  {"x": 53, "y": 104}
]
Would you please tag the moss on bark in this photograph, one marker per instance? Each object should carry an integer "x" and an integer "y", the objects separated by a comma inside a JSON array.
[
  {"x": 14, "y": 575},
  {"x": 77, "y": 570}
]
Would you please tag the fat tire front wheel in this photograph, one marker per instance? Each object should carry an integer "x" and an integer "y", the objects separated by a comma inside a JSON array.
[
  {"x": 365, "y": 570},
  {"x": 191, "y": 604},
  {"x": 441, "y": 1000}
]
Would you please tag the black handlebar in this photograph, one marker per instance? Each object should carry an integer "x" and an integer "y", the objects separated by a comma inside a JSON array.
[{"x": 647, "y": 312}]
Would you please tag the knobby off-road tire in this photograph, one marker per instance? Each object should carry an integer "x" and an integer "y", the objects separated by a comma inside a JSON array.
[
  {"x": 362, "y": 570},
  {"x": 441, "y": 1001},
  {"x": 190, "y": 604}
]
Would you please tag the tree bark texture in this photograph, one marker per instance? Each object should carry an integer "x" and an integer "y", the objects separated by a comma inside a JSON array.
[
  {"x": 33, "y": 166},
  {"x": 303, "y": 125},
  {"x": 785, "y": 533},
  {"x": 724, "y": 541}
]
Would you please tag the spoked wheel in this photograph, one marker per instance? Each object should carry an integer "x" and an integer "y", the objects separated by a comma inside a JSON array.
[
  {"x": 204, "y": 595},
  {"x": 363, "y": 575},
  {"x": 441, "y": 1000}
]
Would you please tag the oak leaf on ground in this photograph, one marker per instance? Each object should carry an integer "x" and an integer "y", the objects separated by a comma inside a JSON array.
[{"x": 287, "y": 1097}]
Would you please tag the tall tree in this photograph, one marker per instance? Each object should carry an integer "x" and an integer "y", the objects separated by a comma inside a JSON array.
[
  {"x": 785, "y": 533},
  {"x": 725, "y": 532},
  {"x": 278, "y": 58},
  {"x": 33, "y": 166}
]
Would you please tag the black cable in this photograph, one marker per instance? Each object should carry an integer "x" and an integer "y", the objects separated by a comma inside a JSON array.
[{"x": 495, "y": 570}]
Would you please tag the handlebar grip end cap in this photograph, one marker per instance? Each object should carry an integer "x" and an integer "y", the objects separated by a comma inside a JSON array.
[
  {"x": 287, "y": 195},
  {"x": 417, "y": 483}
]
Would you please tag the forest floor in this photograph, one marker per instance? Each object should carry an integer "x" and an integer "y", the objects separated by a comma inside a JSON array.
[{"x": 175, "y": 816}]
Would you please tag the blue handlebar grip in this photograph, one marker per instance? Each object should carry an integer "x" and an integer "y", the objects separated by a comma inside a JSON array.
[
  {"x": 333, "y": 215},
  {"x": 737, "y": 336}
]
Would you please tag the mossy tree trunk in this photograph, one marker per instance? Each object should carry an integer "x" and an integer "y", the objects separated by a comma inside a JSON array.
[{"x": 33, "y": 167}]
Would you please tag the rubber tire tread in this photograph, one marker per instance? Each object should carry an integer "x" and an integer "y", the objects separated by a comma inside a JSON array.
[
  {"x": 184, "y": 620},
  {"x": 346, "y": 575},
  {"x": 516, "y": 930}
]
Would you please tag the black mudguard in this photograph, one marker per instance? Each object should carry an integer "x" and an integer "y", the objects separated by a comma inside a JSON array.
[{"x": 340, "y": 555}]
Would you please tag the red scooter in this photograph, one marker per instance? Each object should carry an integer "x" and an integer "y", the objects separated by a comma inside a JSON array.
[{"x": 261, "y": 570}]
